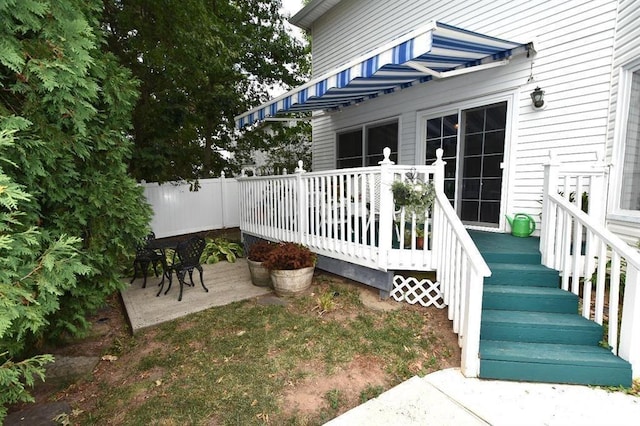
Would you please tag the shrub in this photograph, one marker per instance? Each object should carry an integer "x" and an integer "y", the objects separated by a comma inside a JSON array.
[
  {"x": 288, "y": 256},
  {"x": 259, "y": 251},
  {"x": 220, "y": 248}
]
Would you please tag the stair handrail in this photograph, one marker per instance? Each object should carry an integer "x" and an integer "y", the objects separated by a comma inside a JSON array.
[
  {"x": 461, "y": 272},
  {"x": 625, "y": 250},
  {"x": 561, "y": 248}
]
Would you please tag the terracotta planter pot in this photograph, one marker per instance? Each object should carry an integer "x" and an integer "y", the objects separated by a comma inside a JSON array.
[
  {"x": 291, "y": 282},
  {"x": 260, "y": 275}
]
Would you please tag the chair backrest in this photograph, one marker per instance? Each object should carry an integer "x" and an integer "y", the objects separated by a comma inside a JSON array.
[
  {"x": 143, "y": 246},
  {"x": 189, "y": 251}
]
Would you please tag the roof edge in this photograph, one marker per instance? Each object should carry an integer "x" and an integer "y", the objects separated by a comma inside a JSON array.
[{"x": 306, "y": 16}]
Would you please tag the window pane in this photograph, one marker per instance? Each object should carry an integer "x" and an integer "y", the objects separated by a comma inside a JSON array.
[
  {"x": 469, "y": 211},
  {"x": 630, "y": 194},
  {"x": 494, "y": 142},
  {"x": 349, "y": 162},
  {"x": 434, "y": 128},
  {"x": 432, "y": 145},
  {"x": 472, "y": 166},
  {"x": 491, "y": 166},
  {"x": 471, "y": 189},
  {"x": 474, "y": 121},
  {"x": 497, "y": 117},
  {"x": 449, "y": 145},
  {"x": 380, "y": 137},
  {"x": 473, "y": 144},
  {"x": 450, "y": 125},
  {"x": 350, "y": 144},
  {"x": 489, "y": 212}
]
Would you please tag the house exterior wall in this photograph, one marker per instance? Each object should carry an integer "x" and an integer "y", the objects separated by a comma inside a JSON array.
[
  {"x": 574, "y": 42},
  {"x": 627, "y": 53}
]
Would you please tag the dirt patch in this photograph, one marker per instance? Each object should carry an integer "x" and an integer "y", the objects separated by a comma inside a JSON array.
[{"x": 343, "y": 388}]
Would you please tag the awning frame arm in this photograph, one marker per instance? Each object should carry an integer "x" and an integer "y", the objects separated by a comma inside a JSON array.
[{"x": 460, "y": 71}]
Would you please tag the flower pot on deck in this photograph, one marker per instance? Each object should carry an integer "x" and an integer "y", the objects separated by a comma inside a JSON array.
[
  {"x": 260, "y": 275},
  {"x": 291, "y": 282}
]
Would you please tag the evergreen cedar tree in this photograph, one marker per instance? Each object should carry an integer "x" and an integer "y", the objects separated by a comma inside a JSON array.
[{"x": 70, "y": 214}]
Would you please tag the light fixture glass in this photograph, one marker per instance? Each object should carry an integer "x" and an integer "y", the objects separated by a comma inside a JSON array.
[{"x": 537, "y": 96}]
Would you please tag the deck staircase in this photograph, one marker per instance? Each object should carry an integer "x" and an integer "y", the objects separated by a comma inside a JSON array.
[{"x": 531, "y": 329}]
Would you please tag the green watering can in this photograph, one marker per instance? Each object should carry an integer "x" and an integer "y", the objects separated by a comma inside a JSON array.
[{"x": 522, "y": 225}]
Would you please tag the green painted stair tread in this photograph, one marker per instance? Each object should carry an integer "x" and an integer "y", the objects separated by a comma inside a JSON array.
[
  {"x": 497, "y": 247},
  {"x": 550, "y": 353},
  {"x": 524, "y": 298}
]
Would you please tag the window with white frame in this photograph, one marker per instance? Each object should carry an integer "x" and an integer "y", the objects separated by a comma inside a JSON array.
[
  {"x": 363, "y": 146},
  {"x": 630, "y": 185}
]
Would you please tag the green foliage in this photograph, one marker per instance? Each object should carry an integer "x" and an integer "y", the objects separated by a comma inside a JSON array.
[
  {"x": 34, "y": 273},
  {"x": 284, "y": 146},
  {"x": 415, "y": 197},
  {"x": 221, "y": 248},
  {"x": 200, "y": 63},
  {"x": 70, "y": 103},
  {"x": 15, "y": 377}
]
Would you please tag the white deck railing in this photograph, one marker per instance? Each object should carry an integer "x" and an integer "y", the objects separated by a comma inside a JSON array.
[
  {"x": 461, "y": 272},
  {"x": 349, "y": 214},
  {"x": 592, "y": 261}
]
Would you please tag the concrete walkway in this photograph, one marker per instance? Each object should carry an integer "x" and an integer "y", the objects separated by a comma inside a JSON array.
[
  {"x": 446, "y": 397},
  {"x": 227, "y": 283}
]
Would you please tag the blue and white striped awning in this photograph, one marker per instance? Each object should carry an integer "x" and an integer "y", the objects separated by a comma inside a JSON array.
[{"x": 434, "y": 51}]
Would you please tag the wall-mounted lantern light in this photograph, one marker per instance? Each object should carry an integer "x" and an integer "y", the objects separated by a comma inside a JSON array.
[{"x": 537, "y": 96}]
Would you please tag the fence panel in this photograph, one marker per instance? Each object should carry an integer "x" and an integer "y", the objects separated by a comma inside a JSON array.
[{"x": 177, "y": 210}]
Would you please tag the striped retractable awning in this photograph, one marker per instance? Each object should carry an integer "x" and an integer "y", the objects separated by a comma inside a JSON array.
[{"x": 434, "y": 51}]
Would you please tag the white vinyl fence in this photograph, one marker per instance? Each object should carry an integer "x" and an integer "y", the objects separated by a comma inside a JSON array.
[{"x": 177, "y": 210}]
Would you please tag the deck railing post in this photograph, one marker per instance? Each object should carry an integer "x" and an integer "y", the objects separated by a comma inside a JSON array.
[
  {"x": 386, "y": 208},
  {"x": 301, "y": 204},
  {"x": 548, "y": 216},
  {"x": 438, "y": 177},
  {"x": 629, "y": 347}
]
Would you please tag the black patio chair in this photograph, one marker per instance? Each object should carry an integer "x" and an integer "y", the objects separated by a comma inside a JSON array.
[
  {"x": 146, "y": 256},
  {"x": 186, "y": 258}
]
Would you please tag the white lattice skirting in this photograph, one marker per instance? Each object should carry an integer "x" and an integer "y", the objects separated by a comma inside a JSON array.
[{"x": 412, "y": 291}]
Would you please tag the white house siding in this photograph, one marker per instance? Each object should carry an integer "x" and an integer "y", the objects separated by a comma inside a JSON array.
[
  {"x": 627, "y": 50},
  {"x": 574, "y": 43}
]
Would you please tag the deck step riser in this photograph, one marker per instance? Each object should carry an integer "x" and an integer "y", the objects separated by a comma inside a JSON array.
[
  {"x": 535, "y": 333},
  {"x": 515, "y": 302},
  {"x": 555, "y": 373},
  {"x": 523, "y": 258}
]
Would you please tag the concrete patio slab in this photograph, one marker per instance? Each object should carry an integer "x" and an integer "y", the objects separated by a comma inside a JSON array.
[
  {"x": 446, "y": 397},
  {"x": 227, "y": 283}
]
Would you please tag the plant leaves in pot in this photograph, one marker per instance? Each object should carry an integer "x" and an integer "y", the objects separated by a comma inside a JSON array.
[
  {"x": 258, "y": 253},
  {"x": 291, "y": 267}
]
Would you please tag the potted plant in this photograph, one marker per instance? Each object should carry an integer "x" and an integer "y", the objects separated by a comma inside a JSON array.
[
  {"x": 414, "y": 196},
  {"x": 291, "y": 267},
  {"x": 258, "y": 252}
]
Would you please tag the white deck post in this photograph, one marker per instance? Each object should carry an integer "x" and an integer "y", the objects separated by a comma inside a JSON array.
[
  {"x": 438, "y": 178},
  {"x": 301, "y": 205},
  {"x": 548, "y": 216},
  {"x": 629, "y": 348},
  {"x": 386, "y": 209}
]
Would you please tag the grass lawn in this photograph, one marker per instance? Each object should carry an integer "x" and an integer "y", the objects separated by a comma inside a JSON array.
[{"x": 247, "y": 363}]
